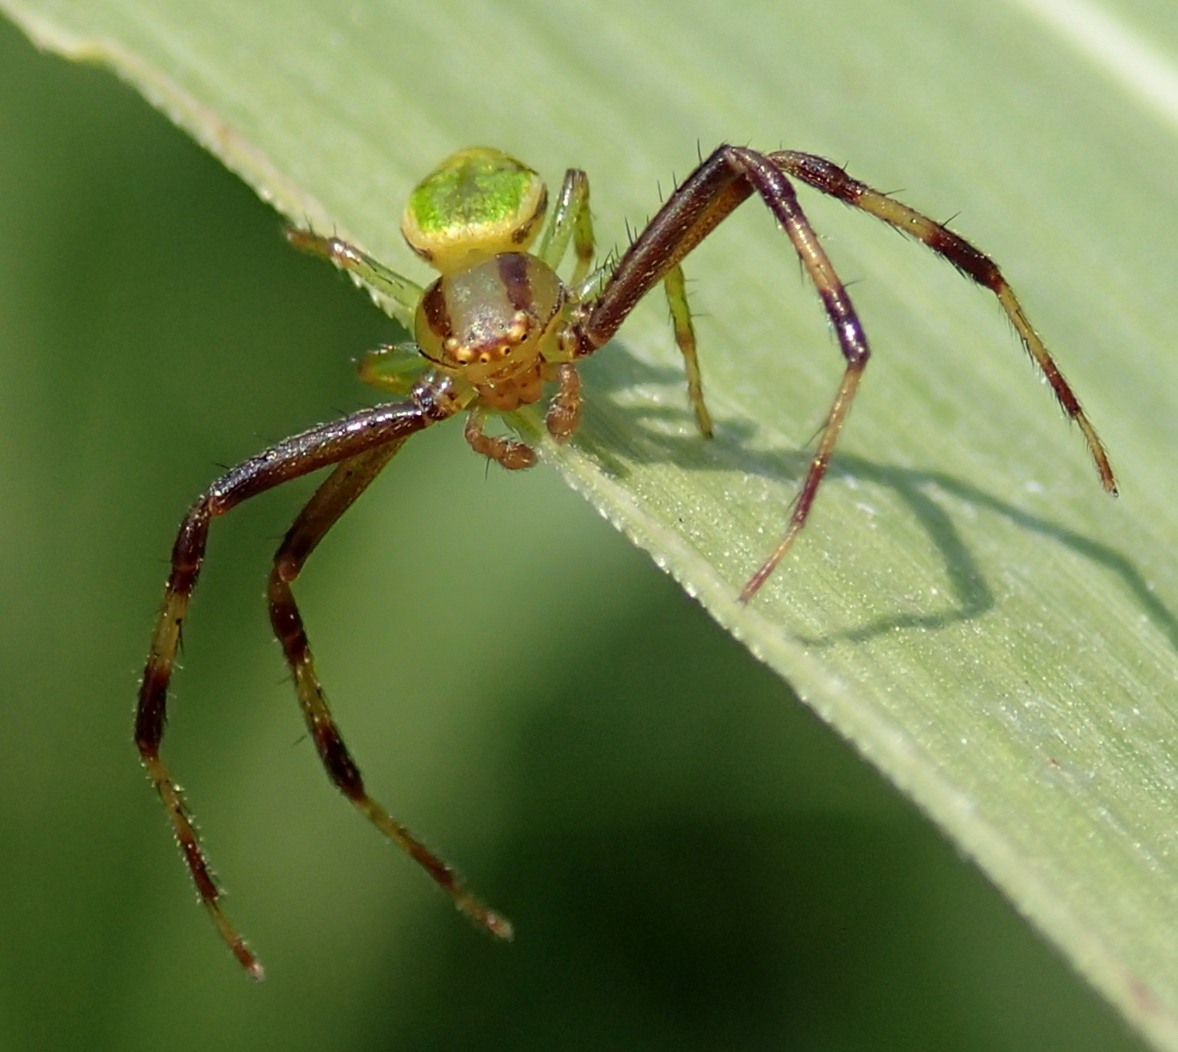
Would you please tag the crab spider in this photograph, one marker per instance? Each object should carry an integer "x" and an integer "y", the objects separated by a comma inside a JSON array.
[{"x": 493, "y": 332}]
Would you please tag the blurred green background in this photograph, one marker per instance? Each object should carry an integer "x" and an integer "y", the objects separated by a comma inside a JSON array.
[{"x": 690, "y": 859}]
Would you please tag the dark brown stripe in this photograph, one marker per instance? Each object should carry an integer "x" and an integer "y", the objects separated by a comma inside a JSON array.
[
  {"x": 823, "y": 175},
  {"x": 433, "y": 865},
  {"x": 965, "y": 257},
  {"x": 437, "y": 317},
  {"x": 206, "y": 886},
  {"x": 848, "y": 329},
  {"x": 339, "y": 763},
  {"x": 515, "y": 273},
  {"x": 151, "y": 714}
]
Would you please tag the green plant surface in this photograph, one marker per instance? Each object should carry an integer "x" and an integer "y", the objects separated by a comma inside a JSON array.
[{"x": 966, "y": 608}]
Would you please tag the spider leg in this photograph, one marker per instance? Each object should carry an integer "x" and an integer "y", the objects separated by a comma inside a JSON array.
[
  {"x": 564, "y": 411},
  {"x": 832, "y": 180},
  {"x": 570, "y": 219},
  {"x": 676, "y": 289},
  {"x": 400, "y": 294},
  {"x": 349, "y": 479},
  {"x": 511, "y": 453},
  {"x": 727, "y": 177},
  {"x": 319, "y": 447},
  {"x": 392, "y": 367}
]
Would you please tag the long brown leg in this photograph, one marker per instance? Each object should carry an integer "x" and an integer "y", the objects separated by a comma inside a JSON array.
[
  {"x": 830, "y": 179},
  {"x": 316, "y": 448},
  {"x": 329, "y": 502},
  {"x": 705, "y": 198}
]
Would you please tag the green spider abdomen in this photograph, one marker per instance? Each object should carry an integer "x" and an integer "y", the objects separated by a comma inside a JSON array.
[
  {"x": 496, "y": 324},
  {"x": 476, "y": 203}
]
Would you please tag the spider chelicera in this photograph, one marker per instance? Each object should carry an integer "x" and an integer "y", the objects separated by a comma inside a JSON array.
[{"x": 490, "y": 334}]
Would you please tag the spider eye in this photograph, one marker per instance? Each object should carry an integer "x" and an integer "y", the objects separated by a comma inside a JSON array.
[{"x": 505, "y": 306}]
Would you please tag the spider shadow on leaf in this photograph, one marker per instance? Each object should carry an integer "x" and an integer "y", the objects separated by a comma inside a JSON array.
[{"x": 663, "y": 432}]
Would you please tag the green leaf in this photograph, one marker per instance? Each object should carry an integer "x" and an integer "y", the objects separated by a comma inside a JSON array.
[{"x": 965, "y": 607}]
